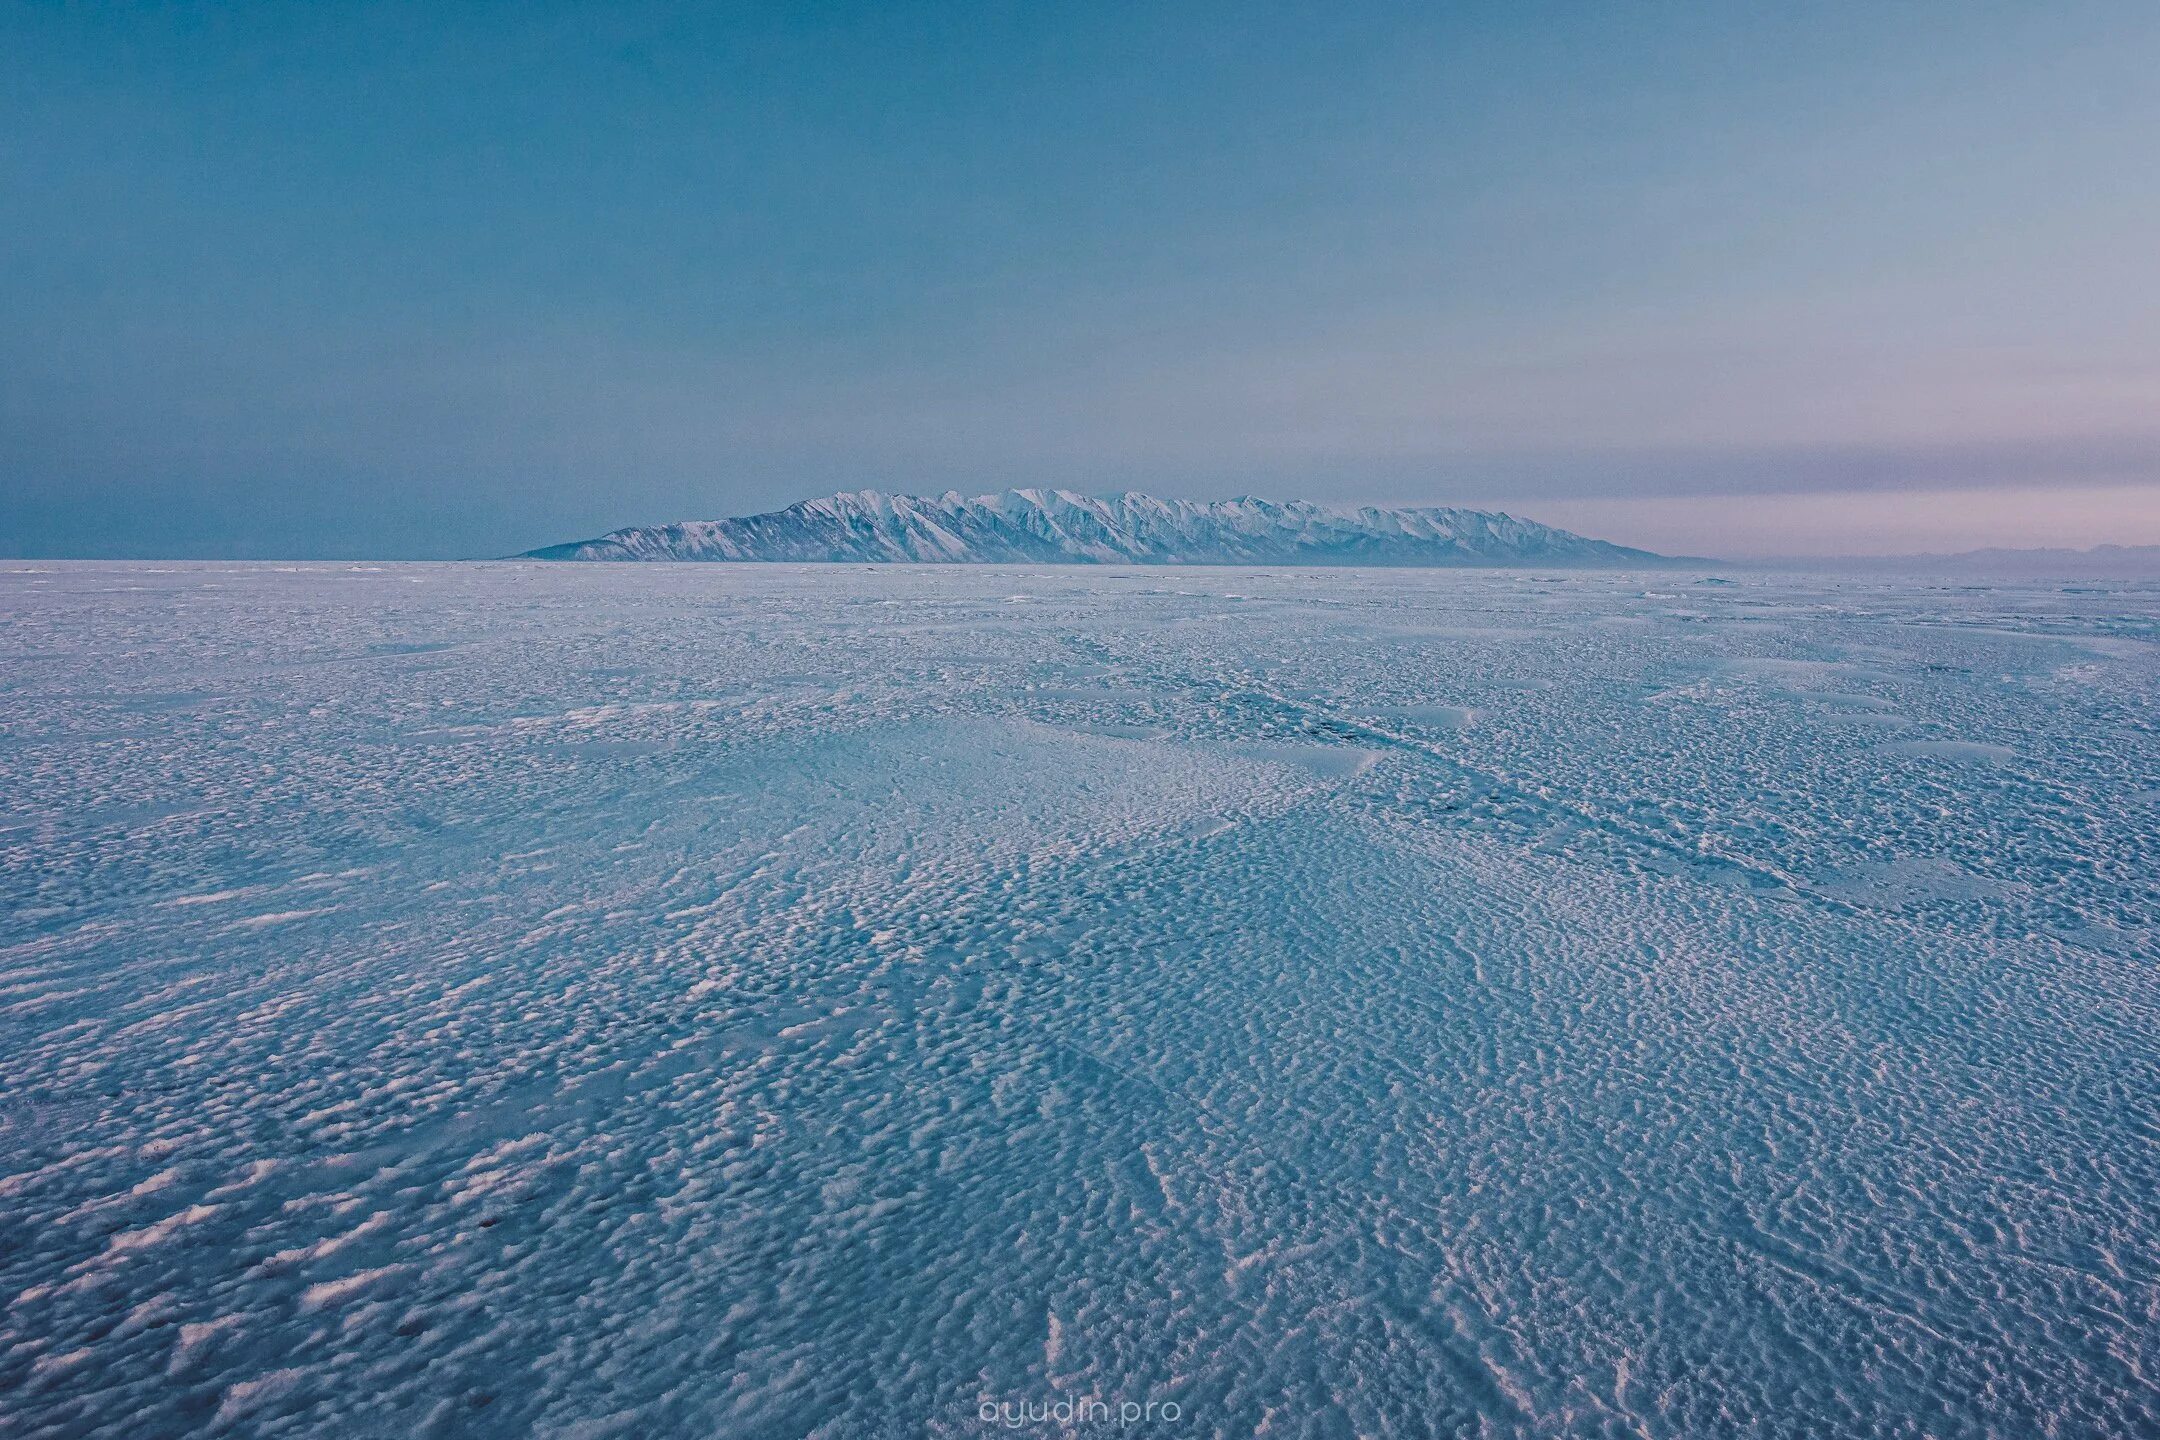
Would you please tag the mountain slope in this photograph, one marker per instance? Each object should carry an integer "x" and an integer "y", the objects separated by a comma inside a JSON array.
[{"x": 1061, "y": 527}]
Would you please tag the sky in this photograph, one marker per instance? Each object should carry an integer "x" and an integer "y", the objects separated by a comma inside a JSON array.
[{"x": 447, "y": 280}]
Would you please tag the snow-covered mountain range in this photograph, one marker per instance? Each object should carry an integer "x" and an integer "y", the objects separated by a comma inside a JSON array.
[{"x": 1062, "y": 527}]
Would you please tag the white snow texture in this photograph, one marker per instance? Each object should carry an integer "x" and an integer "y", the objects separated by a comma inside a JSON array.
[{"x": 772, "y": 1001}]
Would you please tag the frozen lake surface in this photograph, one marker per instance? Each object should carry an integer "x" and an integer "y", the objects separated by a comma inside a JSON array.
[{"x": 612, "y": 1001}]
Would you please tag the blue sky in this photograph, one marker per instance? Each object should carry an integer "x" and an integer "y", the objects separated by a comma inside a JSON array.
[{"x": 442, "y": 280}]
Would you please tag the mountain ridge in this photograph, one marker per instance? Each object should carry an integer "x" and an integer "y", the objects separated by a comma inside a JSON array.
[{"x": 1041, "y": 526}]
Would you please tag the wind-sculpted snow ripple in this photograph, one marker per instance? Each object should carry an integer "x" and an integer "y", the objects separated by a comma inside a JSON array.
[{"x": 505, "y": 1000}]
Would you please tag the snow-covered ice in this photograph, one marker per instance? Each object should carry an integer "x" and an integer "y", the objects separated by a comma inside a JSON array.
[{"x": 593, "y": 1001}]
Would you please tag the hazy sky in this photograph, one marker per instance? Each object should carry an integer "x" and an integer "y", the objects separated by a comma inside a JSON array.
[{"x": 461, "y": 279}]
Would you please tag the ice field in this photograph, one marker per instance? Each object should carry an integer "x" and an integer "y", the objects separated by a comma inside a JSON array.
[{"x": 768, "y": 1001}]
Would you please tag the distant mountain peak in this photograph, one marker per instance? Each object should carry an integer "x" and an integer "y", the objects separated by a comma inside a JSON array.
[{"x": 1039, "y": 526}]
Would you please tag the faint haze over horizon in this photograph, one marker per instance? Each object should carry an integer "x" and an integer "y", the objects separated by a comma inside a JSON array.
[{"x": 406, "y": 280}]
